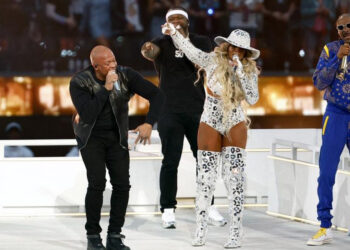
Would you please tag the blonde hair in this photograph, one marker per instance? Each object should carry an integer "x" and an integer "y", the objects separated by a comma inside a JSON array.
[{"x": 232, "y": 92}]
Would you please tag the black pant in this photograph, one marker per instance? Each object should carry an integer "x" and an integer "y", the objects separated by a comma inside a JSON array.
[
  {"x": 100, "y": 152},
  {"x": 172, "y": 128}
]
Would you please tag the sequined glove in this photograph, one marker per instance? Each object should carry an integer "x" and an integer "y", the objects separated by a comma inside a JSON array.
[
  {"x": 238, "y": 66},
  {"x": 168, "y": 29}
]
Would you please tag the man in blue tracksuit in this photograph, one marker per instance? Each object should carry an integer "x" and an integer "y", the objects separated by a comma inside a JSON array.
[{"x": 335, "y": 80}]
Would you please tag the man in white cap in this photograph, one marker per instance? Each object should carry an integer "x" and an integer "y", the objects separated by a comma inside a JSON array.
[{"x": 182, "y": 110}]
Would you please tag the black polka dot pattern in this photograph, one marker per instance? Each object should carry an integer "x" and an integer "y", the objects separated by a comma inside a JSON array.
[
  {"x": 213, "y": 115},
  {"x": 233, "y": 165},
  {"x": 207, "y": 171}
]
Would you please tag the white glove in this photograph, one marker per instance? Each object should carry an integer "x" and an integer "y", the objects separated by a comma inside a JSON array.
[
  {"x": 238, "y": 66},
  {"x": 168, "y": 29}
]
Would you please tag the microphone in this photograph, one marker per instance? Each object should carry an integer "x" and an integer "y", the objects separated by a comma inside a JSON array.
[
  {"x": 343, "y": 66},
  {"x": 116, "y": 83},
  {"x": 344, "y": 63},
  {"x": 117, "y": 87},
  {"x": 235, "y": 58}
]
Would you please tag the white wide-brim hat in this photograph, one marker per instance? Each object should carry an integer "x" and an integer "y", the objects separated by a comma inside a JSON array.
[{"x": 241, "y": 39}]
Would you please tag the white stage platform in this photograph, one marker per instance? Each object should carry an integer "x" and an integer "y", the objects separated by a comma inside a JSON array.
[{"x": 262, "y": 232}]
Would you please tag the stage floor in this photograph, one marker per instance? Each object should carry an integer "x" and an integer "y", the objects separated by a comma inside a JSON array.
[{"x": 144, "y": 232}]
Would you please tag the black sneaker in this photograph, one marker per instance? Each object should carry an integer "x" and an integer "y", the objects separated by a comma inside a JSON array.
[
  {"x": 95, "y": 242},
  {"x": 115, "y": 242}
]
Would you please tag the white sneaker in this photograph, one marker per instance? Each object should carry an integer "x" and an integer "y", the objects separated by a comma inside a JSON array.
[
  {"x": 168, "y": 218},
  {"x": 215, "y": 218},
  {"x": 323, "y": 236}
]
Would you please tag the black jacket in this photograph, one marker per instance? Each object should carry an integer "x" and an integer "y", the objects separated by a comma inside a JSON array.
[{"x": 89, "y": 97}]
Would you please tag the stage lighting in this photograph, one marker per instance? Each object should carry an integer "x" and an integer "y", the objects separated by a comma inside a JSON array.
[{"x": 210, "y": 11}]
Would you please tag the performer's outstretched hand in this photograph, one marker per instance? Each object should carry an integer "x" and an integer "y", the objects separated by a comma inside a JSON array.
[
  {"x": 168, "y": 29},
  {"x": 145, "y": 131}
]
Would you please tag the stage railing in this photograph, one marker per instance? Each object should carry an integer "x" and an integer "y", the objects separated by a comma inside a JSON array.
[
  {"x": 59, "y": 183},
  {"x": 292, "y": 188}
]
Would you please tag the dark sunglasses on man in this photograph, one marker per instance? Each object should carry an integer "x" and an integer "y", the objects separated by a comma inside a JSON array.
[{"x": 341, "y": 27}]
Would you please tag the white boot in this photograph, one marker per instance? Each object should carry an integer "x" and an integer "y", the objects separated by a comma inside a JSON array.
[
  {"x": 233, "y": 164},
  {"x": 206, "y": 178}
]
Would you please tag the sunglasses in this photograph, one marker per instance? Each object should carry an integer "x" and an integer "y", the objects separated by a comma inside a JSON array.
[{"x": 341, "y": 27}]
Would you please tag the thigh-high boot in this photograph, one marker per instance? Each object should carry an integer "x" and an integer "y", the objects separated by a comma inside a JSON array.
[
  {"x": 233, "y": 164},
  {"x": 206, "y": 178}
]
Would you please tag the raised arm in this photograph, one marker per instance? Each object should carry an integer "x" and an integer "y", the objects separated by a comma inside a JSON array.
[
  {"x": 150, "y": 51},
  {"x": 195, "y": 55}
]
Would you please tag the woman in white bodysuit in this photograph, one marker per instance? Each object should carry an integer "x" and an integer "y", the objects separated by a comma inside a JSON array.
[{"x": 232, "y": 76}]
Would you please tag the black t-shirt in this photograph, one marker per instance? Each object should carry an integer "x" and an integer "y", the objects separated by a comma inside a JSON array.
[
  {"x": 177, "y": 75},
  {"x": 106, "y": 120}
]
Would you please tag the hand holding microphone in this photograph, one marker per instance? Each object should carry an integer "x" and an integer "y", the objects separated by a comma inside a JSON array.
[
  {"x": 235, "y": 58},
  {"x": 237, "y": 64},
  {"x": 344, "y": 50},
  {"x": 111, "y": 80},
  {"x": 168, "y": 29}
]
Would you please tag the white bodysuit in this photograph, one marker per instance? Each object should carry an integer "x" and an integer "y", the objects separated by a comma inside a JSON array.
[{"x": 213, "y": 108}]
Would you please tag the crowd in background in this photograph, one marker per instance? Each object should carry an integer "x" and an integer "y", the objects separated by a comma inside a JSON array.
[{"x": 53, "y": 36}]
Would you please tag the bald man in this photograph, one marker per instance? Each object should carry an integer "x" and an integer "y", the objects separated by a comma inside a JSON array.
[
  {"x": 100, "y": 94},
  {"x": 332, "y": 76}
]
